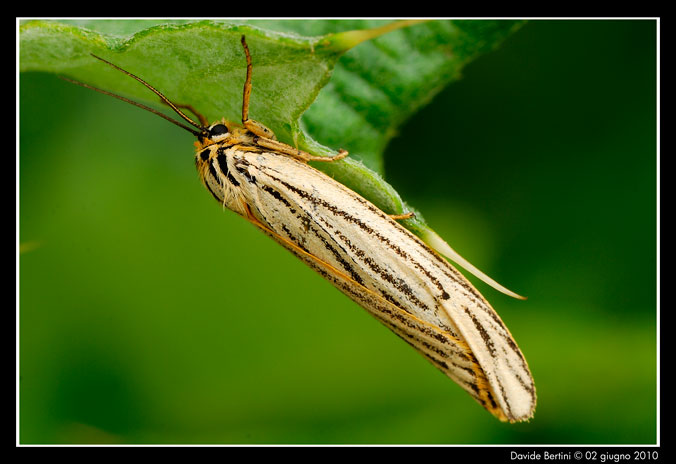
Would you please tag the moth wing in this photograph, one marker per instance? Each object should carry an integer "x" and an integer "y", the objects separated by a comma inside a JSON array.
[
  {"x": 449, "y": 354},
  {"x": 495, "y": 350},
  {"x": 471, "y": 323}
]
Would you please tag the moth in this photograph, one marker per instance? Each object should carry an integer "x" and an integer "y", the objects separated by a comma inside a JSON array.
[{"x": 361, "y": 250}]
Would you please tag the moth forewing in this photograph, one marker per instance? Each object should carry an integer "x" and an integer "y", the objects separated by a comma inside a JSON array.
[
  {"x": 362, "y": 251},
  {"x": 389, "y": 271}
]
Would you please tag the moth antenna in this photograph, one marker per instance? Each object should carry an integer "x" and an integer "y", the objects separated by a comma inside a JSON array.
[
  {"x": 140, "y": 105},
  {"x": 155, "y": 91}
]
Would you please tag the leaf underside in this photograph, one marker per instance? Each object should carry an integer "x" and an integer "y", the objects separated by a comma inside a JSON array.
[{"x": 311, "y": 84}]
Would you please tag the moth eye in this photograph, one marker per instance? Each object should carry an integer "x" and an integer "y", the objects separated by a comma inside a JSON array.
[{"x": 218, "y": 129}]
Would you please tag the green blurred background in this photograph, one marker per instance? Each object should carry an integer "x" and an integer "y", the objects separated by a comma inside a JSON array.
[{"x": 147, "y": 315}]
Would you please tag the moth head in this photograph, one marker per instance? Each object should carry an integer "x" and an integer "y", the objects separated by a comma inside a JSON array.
[{"x": 215, "y": 133}]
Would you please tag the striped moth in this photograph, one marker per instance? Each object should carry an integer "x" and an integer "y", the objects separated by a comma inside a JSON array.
[{"x": 362, "y": 251}]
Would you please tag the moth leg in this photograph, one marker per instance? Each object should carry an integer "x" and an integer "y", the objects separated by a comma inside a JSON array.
[
  {"x": 398, "y": 217},
  {"x": 258, "y": 129},
  {"x": 247, "y": 83},
  {"x": 264, "y": 136},
  {"x": 301, "y": 155},
  {"x": 254, "y": 126}
]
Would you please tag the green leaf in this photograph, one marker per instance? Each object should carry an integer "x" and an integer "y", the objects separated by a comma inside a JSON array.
[{"x": 312, "y": 85}]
